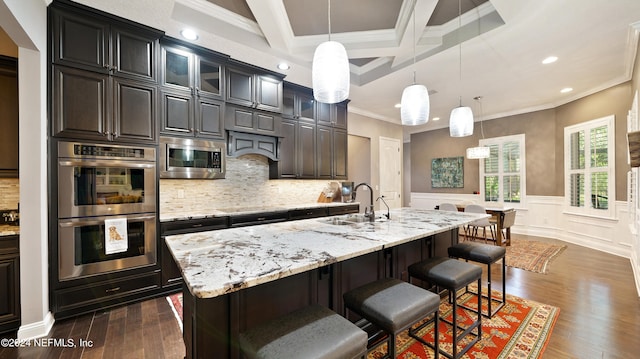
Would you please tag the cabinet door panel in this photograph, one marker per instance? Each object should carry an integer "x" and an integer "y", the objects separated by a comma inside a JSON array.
[
  {"x": 8, "y": 118},
  {"x": 209, "y": 78},
  {"x": 9, "y": 290},
  {"x": 177, "y": 68},
  {"x": 307, "y": 106},
  {"x": 79, "y": 103},
  {"x": 324, "y": 154},
  {"x": 240, "y": 87},
  {"x": 323, "y": 113},
  {"x": 210, "y": 119},
  {"x": 241, "y": 119},
  {"x": 340, "y": 139},
  {"x": 177, "y": 113},
  {"x": 307, "y": 150},
  {"x": 134, "y": 110},
  {"x": 80, "y": 41},
  {"x": 269, "y": 94},
  {"x": 134, "y": 55},
  {"x": 265, "y": 122},
  {"x": 288, "y": 151},
  {"x": 341, "y": 115}
]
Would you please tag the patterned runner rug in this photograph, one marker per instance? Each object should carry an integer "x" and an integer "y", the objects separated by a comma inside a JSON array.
[
  {"x": 521, "y": 329},
  {"x": 532, "y": 256}
]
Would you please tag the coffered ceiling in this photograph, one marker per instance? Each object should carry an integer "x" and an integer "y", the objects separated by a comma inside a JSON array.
[{"x": 493, "y": 50}]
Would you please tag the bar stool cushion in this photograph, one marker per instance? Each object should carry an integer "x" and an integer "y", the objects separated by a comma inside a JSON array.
[
  {"x": 477, "y": 252},
  {"x": 392, "y": 304},
  {"x": 311, "y": 332},
  {"x": 446, "y": 272}
]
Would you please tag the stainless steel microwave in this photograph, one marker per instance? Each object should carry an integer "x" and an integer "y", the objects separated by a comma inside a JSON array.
[{"x": 191, "y": 158}]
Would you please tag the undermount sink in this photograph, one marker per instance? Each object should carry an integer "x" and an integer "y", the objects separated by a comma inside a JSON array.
[{"x": 351, "y": 219}]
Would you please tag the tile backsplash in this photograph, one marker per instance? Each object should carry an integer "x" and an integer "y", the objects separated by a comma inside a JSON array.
[
  {"x": 9, "y": 193},
  {"x": 246, "y": 184}
]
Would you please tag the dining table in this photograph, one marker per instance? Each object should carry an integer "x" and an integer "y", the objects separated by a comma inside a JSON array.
[{"x": 497, "y": 215}]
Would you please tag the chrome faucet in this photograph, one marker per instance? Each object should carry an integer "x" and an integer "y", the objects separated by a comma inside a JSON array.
[
  {"x": 388, "y": 215},
  {"x": 368, "y": 211}
]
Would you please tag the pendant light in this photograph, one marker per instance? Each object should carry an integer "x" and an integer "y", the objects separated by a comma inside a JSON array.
[
  {"x": 461, "y": 120},
  {"x": 476, "y": 153},
  {"x": 414, "y": 106},
  {"x": 330, "y": 70}
]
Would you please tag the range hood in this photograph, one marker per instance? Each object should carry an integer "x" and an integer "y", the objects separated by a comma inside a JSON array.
[{"x": 242, "y": 143}]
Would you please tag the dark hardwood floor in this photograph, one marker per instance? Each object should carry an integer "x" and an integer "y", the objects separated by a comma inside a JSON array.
[{"x": 599, "y": 314}]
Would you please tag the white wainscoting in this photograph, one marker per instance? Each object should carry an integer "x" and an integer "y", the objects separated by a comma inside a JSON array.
[{"x": 544, "y": 216}]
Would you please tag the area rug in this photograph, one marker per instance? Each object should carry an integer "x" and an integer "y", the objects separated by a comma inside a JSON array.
[
  {"x": 175, "y": 302},
  {"x": 520, "y": 329},
  {"x": 532, "y": 256}
]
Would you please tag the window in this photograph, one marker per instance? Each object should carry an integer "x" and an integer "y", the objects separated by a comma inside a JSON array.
[
  {"x": 502, "y": 175},
  {"x": 589, "y": 162}
]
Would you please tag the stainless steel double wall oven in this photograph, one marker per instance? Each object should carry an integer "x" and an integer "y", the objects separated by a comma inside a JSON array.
[{"x": 99, "y": 183}]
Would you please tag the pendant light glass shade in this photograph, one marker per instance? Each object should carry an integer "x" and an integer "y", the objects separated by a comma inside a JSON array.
[
  {"x": 414, "y": 106},
  {"x": 330, "y": 73},
  {"x": 461, "y": 122},
  {"x": 476, "y": 153}
]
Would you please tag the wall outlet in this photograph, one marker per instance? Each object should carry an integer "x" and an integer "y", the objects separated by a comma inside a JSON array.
[{"x": 180, "y": 193}]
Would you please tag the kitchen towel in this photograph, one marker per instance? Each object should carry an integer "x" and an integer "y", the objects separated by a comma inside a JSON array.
[{"x": 115, "y": 235}]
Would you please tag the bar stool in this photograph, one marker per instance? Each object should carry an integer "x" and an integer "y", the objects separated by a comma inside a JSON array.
[
  {"x": 487, "y": 254},
  {"x": 394, "y": 306},
  {"x": 311, "y": 332},
  {"x": 452, "y": 275}
]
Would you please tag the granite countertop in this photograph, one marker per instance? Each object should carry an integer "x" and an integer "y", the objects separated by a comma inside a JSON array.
[
  {"x": 219, "y": 262},
  {"x": 7, "y": 230},
  {"x": 186, "y": 213}
]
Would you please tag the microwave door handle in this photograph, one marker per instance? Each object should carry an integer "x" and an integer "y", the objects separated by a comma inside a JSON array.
[{"x": 106, "y": 164}]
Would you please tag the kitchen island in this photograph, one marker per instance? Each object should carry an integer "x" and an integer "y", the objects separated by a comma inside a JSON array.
[{"x": 239, "y": 277}]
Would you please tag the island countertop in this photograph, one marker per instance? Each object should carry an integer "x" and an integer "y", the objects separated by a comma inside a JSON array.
[{"x": 219, "y": 262}]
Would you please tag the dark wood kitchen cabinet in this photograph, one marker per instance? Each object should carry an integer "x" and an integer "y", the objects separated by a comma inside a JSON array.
[
  {"x": 331, "y": 153},
  {"x": 103, "y": 76},
  {"x": 314, "y": 137},
  {"x": 334, "y": 115},
  {"x": 89, "y": 105},
  {"x": 192, "y": 91},
  {"x": 9, "y": 283},
  {"x": 243, "y": 119},
  {"x": 9, "y": 121},
  {"x": 297, "y": 151},
  {"x": 85, "y": 40},
  {"x": 298, "y": 103},
  {"x": 253, "y": 88}
]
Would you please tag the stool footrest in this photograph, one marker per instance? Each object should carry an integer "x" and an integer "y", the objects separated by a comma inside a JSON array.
[{"x": 500, "y": 302}]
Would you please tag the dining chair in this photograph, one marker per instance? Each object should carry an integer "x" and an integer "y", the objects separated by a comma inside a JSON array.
[
  {"x": 483, "y": 223},
  {"x": 508, "y": 220},
  {"x": 448, "y": 207}
]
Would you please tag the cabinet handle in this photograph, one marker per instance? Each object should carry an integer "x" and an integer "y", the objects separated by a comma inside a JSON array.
[
  {"x": 197, "y": 91},
  {"x": 112, "y": 290}
]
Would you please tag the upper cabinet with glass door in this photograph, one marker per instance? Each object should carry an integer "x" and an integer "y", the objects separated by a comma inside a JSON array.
[
  {"x": 198, "y": 73},
  {"x": 192, "y": 91}
]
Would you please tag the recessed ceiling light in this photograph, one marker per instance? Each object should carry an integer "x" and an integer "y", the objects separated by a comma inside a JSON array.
[
  {"x": 189, "y": 34},
  {"x": 550, "y": 60},
  {"x": 397, "y": 105},
  {"x": 435, "y": 119},
  {"x": 566, "y": 89},
  {"x": 283, "y": 66}
]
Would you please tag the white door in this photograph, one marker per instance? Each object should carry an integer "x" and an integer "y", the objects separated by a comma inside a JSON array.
[{"x": 390, "y": 172}]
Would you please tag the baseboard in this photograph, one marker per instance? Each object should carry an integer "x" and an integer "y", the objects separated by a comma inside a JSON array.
[{"x": 38, "y": 329}]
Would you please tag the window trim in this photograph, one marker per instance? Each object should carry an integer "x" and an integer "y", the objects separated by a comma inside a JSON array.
[
  {"x": 521, "y": 139},
  {"x": 609, "y": 213}
]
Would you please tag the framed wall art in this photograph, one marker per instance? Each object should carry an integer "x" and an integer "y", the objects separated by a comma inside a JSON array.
[{"x": 447, "y": 172}]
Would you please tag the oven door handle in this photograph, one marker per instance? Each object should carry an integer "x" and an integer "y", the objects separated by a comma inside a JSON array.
[
  {"x": 77, "y": 222},
  {"x": 71, "y": 163}
]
